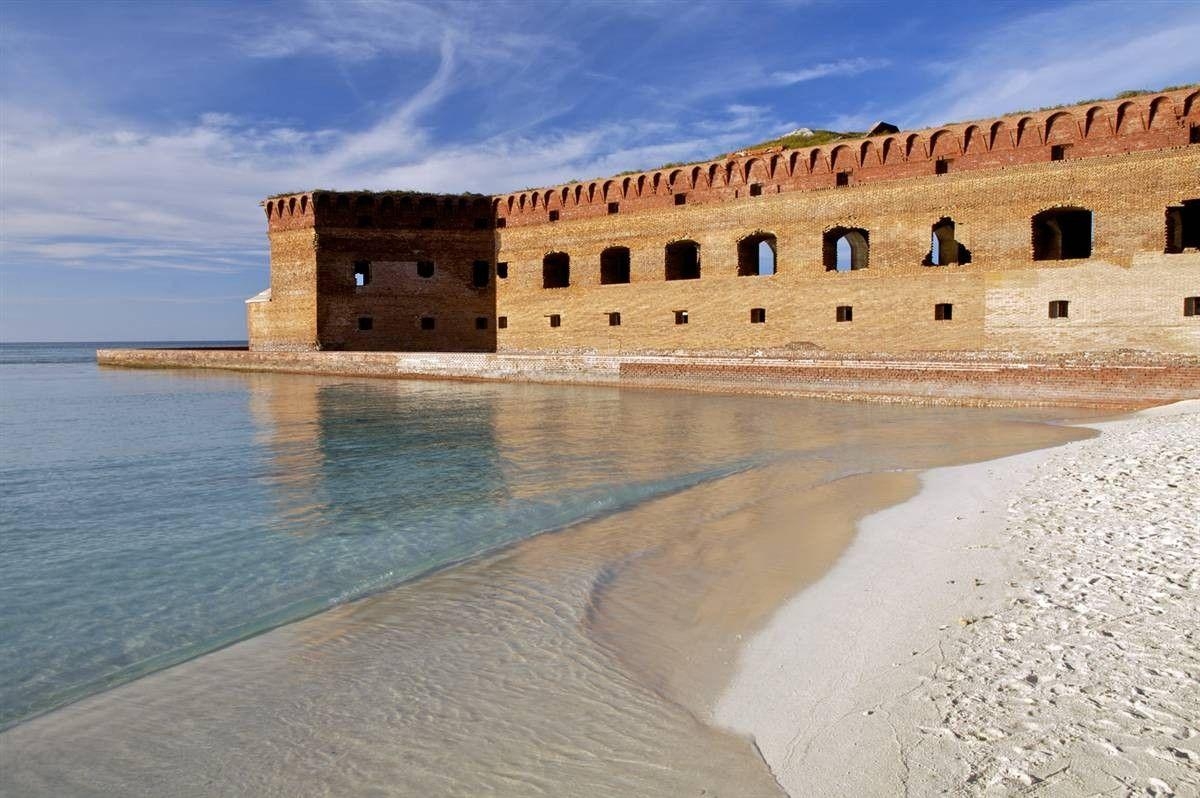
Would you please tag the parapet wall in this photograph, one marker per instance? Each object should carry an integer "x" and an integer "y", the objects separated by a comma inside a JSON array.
[{"x": 1110, "y": 127}]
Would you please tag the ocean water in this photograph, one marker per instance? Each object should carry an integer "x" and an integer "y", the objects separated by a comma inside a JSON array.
[{"x": 150, "y": 517}]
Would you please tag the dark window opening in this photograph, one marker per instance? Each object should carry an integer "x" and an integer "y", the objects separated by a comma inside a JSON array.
[
  {"x": 944, "y": 250},
  {"x": 681, "y": 317},
  {"x": 424, "y": 268},
  {"x": 942, "y": 166},
  {"x": 614, "y": 207},
  {"x": 556, "y": 270},
  {"x": 365, "y": 221},
  {"x": 427, "y": 223},
  {"x": 1062, "y": 234},
  {"x": 502, "y": 270},
  {"x": 843, "y": 179},
  {"x": 1191, "y": 306},
  {"x": 480, "y": 271},
  {"x": 428, "y": 322},
  {"x": 614, "y": 266},
  {"x": 482, "y": 223},
  {"x": 1183, "y": 226},
  {"x": 1058, "y": 309},
  {"x": 683, "y": 260},
  {"x": 365, "y": 323},
  {"x": 614, "y": 319},
  {"x": 362, "y": 273},
  {"x": 756, "y": 189},
  {"x": 758, "y": 315},
  {"x": 1059, "y": 152},
  {"x": 845, "y": 313},
  {"x": 555, "y": 320},
  {"x": 481, "y": 323},
  {"x": 681, "y": 199},
  {"x": 502, "y": 323},
  {"x": 845, "y": 249},
  {"x": 554, "y": 216},
  {"x": 1194, "y": 134},
  {"x": 943, "y": 311},
  {"x": 501, "y": 222},
  {"x": 756, "y": 255}
]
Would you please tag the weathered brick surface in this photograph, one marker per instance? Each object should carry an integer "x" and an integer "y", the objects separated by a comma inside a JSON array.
[
  {"x": 1119, "y": 382},
  {"x": 1128, "y": 161}
]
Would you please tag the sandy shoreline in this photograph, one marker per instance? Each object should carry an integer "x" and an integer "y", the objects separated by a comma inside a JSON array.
[{"x": 1050, "y": 646}]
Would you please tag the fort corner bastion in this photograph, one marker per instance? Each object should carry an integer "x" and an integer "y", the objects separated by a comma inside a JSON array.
[{"x": 1065, "y": 235}]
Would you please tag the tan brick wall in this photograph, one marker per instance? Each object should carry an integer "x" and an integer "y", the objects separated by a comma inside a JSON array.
[
  {"x": 289, "y": 320},
  {"x": 1128, "y": 293}
]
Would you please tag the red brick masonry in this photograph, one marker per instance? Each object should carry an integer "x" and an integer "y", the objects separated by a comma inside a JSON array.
[{"x": 1120, "y": 380}]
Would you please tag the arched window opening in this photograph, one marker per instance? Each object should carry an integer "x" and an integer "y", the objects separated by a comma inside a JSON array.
[
  {"x": 756, "y": 255},
  {"x": 683, "y": 260},
  {"x": 614, "y": 266},
  {"x": 944, "y": 249},
  {"x": 1183, "y": 226},
  {"x": 362, "y": 273},
  {"x": 845, "y": 249},
  {"x": 1062, "y": 234},
  {"x": 556, "y": 270}
]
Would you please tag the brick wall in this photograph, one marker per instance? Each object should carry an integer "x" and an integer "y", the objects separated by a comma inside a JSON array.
[{"x": 1126, "y": 161}]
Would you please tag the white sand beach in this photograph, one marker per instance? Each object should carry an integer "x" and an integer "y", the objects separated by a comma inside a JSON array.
[{"x": 1028, "y": 625}]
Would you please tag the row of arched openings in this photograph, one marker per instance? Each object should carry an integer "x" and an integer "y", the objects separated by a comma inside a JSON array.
[{"x": 1057, "y": 234}]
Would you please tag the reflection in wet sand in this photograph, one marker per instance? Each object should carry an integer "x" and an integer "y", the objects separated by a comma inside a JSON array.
[{"x": 578, "y": 663}]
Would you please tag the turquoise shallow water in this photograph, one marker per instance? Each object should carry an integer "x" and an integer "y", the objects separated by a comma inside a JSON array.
[{"x": 149, "y": 516}]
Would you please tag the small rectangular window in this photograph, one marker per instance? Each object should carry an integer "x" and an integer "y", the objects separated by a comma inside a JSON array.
[
  {"x": 555, "y": 320},
  {"x": 362, "y": 273},
  {"x": 614, "y": 207},
  {"x": 480, "y": 270},
  {"x": 1058, "y": 309},
  {"x": 482, "y": 224},
  {"x": 943, "y": 311},
  {"x": 481, "y": 322},
  {"x": 941, "y": 166},
  {"x": 427, "y": 223},
  {"x": 1194, "y": 134},
  {"x": 843, "y": 179},
  {"x": 502, "y": 323},
  {"x": 845, "y": 313},
  {"x": 425, "y": 268},
  {"x": 501, "y": 222},
  {"x": 1059, "y": 152},
  {"x": 428, "y": 322},
  {"x": 681, "y": 317},
  {"x": 365, "y": 221},
  {"x": 1191, "y": 306},
  {"x": 554, "y": 216},
  {"x": 365, "y": 323},
  {"x": 756, "y": 189},
  {"x": 681, "y": 198},
  {"x": 614, "y": 319},
  {"x": 502, "y": 270},
  {"x": 758, "y": 315}
]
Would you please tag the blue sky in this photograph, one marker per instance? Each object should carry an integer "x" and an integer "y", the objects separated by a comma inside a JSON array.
[{"x": 137, "y": 139}]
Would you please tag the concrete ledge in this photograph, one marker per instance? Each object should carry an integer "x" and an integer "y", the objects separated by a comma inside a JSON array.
[{"x": 1116, "y": 381}]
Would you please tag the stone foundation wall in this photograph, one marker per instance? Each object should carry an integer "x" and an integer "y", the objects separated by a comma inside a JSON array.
[{"x": 1133, "y": 380}]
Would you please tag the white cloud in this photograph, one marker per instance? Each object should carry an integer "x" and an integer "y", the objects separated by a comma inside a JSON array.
[
  {"x": 844, "y": 67},
  {"x": 1063, "y": 55}
]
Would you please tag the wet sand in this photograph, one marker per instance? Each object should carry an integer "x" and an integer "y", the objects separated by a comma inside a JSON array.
[{"x": 584, "y": 662}]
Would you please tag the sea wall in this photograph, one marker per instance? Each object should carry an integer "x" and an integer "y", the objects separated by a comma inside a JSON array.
[{"x": 1128, "y": 381}]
